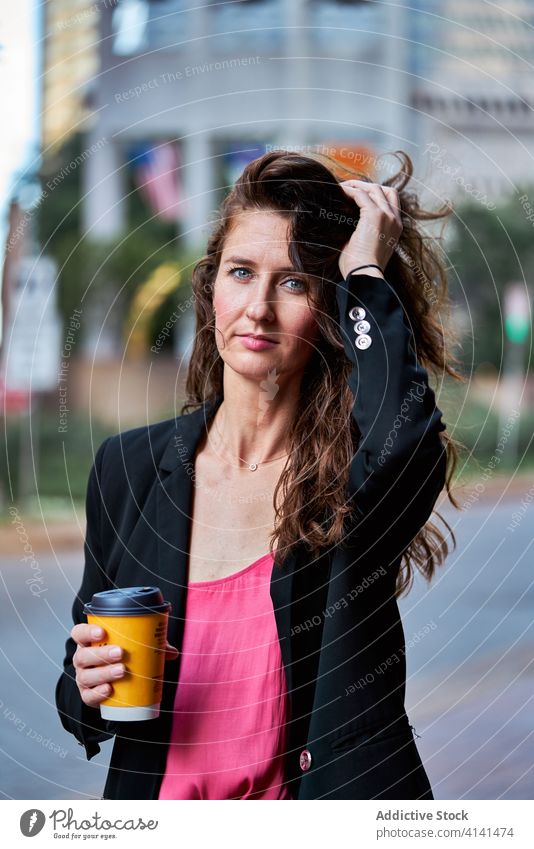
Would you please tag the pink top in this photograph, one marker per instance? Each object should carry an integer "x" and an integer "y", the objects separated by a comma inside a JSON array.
[{"x": 230, "y": 709}]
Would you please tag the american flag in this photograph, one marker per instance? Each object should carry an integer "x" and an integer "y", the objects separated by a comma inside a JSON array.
[{"x": 156, "y": 173}]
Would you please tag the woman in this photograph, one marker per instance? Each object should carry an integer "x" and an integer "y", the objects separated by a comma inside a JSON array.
[{"x": 282, "y": 517}]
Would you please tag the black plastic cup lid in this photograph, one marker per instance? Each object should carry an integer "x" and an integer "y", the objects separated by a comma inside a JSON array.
[{"x": 128, "y": 601}]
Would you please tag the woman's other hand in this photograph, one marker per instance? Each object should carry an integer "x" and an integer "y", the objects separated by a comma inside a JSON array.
[{"x": 378, "y": 229}]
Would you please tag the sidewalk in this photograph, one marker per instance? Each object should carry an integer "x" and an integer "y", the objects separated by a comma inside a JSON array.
[
  {"x": 496, "y": 488},
  {"x": 29, "y": 535}
]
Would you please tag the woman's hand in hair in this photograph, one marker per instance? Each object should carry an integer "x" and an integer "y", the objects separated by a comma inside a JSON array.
[{"x": 378, "y": 229}]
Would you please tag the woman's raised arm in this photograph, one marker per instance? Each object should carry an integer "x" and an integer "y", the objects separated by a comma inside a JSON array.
[{"x": 399, "y": 466}]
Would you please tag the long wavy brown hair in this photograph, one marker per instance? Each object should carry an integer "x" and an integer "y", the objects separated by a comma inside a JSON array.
[{"x": 311, "y": 491}]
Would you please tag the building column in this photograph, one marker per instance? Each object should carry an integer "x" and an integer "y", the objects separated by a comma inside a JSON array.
[
  {"x": 103, "y": 213},
  {"x": 296, "y": 18},
  {"x": 199, "y": 176},
  {"x": 396, "y": 53}
]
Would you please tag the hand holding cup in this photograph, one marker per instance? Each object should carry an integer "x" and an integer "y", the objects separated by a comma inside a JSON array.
[
  {"x": 121, "y": 671},
  {"x": 97, "y": 666}
]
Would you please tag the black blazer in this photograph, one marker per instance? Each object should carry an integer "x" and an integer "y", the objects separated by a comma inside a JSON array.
[{"x": 338, "y": 622}]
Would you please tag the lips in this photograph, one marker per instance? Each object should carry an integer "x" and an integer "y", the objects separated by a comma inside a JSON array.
[
  {"x": 258, "y": 336},
  {"x": 257, "y": 343}
]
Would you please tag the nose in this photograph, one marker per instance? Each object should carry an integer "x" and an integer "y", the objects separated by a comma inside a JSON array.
[{"x": 261, "y": 306}]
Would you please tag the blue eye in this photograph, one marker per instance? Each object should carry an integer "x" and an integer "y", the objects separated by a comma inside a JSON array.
[
  {"x": 301, "y": 283},
  {"x": 237, "y": 268}
]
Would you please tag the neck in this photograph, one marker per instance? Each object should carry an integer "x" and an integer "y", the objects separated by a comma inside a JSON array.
[{"x": 252, "y": 423}]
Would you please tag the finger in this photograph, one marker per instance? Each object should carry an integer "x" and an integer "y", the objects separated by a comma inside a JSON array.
[
  {"x": 376, "y": 192},
  {"x": 387, "y": 194},
  {"x": 369, "y": 189},
  {"x": 99, "y": 675},
  {"x": 364, "y": 200},
  {"x": 366, "y": 185},
  {"x": 171, "y": 652},
  {"x": 354, "y": 182},
  {"x": 95, "y": 656},
  {"x": 361, "y": 197},
  {"x": 93, "y": 697},
  {"x": 393, "y": 196},
  {"x": 86, "y": 634},
  {"x": 394, "y": 200},
  {"x": 380, "y": 201}
]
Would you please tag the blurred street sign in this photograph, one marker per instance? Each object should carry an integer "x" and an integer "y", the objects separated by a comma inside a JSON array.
[
  {"x": 32, "y": 343},
  {"x": 516, "y": 312},
  {"x": 514, "y": 374},
  {"x": 356, "y": 156},
  {"x": 13, "y": 400}
]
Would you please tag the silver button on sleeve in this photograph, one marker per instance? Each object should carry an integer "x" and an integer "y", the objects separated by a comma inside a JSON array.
[
  {"x": 362, "y": 326},
  {"x": 363, "y": 341},
  {"x": 357, "y": 313}
]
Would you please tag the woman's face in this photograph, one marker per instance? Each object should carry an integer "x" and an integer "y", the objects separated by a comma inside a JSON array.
[{"x": 257, "y": 293}]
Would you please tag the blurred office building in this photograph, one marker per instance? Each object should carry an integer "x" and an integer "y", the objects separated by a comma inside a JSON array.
[
  {"x": 187, "y": 95},
  {"x": 70, "y": 59},
  {"x": 221, "y": 83},
  {"x": 472, "y": 94},
  {"x": 175, "y": 98}
]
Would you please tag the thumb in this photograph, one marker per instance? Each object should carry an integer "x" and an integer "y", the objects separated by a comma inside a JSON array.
[{"x": 171, "y": 652}]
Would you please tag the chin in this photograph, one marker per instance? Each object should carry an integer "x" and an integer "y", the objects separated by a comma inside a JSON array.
[{"x": 251, "y": 364}]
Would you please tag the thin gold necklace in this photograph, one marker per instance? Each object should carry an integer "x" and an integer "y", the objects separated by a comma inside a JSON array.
[{"x": 253, "y": 466}]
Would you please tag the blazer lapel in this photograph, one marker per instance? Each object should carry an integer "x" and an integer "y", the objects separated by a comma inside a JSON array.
[
  {"x": 173, "y": 510},
  {"x": 281, "y": 590}
]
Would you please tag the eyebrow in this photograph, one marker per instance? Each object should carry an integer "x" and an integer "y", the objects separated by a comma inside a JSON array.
[{"x": 244, "y": 261}]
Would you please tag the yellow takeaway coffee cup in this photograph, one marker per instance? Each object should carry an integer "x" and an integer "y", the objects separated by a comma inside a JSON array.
[{"x": 136, "y": 619}]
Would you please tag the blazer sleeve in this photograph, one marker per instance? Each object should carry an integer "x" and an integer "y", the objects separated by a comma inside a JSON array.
[
  {"x": 85, "y": 722},
  {"x": 399, "y": 466}
]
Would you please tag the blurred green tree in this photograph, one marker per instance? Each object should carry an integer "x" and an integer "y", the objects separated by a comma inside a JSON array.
[
  {"x": 87, "y": 266},
  {"x": 487, "y": 250}
]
